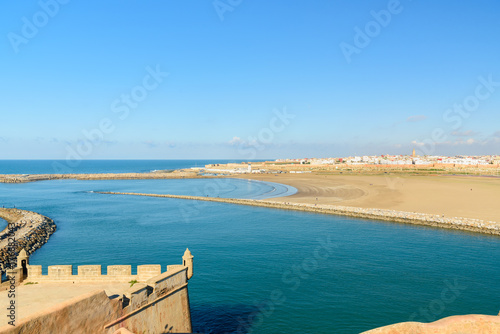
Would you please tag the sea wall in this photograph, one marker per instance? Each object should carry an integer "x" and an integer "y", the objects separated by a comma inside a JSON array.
[
  {"x": 458, "y": 223},
  {"x": 177, "y": 174},
  {"x": 25, "y": 230},
  {"x": 159, "y": 305}
]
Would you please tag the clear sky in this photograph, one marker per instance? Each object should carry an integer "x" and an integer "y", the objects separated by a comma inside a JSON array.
[{"x": 248, "y": 79}]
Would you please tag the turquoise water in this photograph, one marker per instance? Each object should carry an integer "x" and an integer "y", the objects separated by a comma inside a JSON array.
[
  {"x": 99, "y": 166},
  {"x": 262, "y": 270}
]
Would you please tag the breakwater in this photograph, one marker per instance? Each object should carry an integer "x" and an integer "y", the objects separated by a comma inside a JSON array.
[
  {"x": 177, "y": 174},
  {"x": 25, "y": 230},
  {"x": 458, "y": 223}
]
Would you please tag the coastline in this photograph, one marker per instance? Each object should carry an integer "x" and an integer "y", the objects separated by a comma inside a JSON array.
[
  {"x": 458, "y": 223},
  {"x": 31, "y": 231},
  {"x": 451, "y": 196}
]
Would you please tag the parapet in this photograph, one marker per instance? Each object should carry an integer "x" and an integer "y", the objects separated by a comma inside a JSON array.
[
  {"x": 115, "y": 273},
  {"x": 93, "y": 273}
]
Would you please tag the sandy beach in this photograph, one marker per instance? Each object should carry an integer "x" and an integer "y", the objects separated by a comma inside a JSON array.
[{"x": 451, "y": 196}]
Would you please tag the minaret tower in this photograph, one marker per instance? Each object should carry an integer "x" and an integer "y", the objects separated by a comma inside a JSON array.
[{"x": 187, "y": 261}]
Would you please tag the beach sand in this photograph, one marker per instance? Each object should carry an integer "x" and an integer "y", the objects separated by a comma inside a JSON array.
[{"x": 451, "y": 196}]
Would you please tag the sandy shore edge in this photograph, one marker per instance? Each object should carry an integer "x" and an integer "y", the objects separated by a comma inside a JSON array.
[{"x": 458, "y": 223}]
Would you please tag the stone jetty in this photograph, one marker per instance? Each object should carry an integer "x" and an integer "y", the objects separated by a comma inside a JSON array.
[
  {"x": 25, "y": 229},
  {"x": 156, "y": 175},
  {"x": 458, "y": 223}
]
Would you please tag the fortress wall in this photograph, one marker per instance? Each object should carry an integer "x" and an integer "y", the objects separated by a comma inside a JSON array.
[
  {"x": 161, "y": 305},
  {"x": 168, "y": 314},
  {"x": 88, "y": 273},
  {"x": 146, "y": 272},
  {"x": 83, "y": 314}
]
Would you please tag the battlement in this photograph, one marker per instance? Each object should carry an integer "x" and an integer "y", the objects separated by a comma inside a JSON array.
[
  {"x": 115, "y": 273},
  {"x": 155, "y": 301},
  {"x": 93, "y": 273}
]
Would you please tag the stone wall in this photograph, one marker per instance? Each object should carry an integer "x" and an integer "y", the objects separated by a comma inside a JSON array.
[
  {"x": 159, "y": 305},
  {"x": 83, "y": 314},
  {"x": 89, "y": 273}
]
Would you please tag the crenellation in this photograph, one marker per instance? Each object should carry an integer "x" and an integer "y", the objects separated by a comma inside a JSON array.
[
  {"x": 154, "y": 300},
  {"x": 147, "y": 271},
  {"x": 159, "y": 283},
  {"x": 120, "y": 270},
  {"x": 60, "y": 272},
  {"x": 35, "y": 271},
  {"x": 89, "y": 271}
]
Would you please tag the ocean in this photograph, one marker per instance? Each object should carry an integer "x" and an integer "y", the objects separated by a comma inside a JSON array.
[{"x": 261, "y": 270}]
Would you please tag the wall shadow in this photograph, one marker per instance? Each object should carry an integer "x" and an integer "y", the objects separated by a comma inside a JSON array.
[{"x": 223, "y": 319}]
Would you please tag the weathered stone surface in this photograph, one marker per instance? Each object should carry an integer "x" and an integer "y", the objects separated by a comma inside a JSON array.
[{"x": 461, "y": 324}]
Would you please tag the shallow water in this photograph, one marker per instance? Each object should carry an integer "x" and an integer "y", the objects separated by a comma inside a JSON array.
[{"x": 266, "y": 270}]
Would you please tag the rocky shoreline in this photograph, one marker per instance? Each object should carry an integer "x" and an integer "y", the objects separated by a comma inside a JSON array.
[
  {"x": 176, "y": 174},
  {"x": 458, "y": 223},
  {"x": 28, "y": 230}
]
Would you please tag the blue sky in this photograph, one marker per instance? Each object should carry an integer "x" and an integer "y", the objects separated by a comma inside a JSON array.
[{"x": 248, "y": 79}]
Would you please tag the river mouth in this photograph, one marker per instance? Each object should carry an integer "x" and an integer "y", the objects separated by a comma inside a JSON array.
[{"x": 347, "y": 274}]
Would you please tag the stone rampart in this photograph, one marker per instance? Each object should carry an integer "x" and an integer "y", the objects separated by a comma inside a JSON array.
[
  {"x": 88, "y": 273},
  {"x": 155, "y": 303}
]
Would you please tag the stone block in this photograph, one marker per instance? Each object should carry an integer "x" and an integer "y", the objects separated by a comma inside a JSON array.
[
  {"x": 148, "y": 271},
  {"x": 89, "y": 271},
  {"x": 118, "y": 270},
  {"x": 34, "y": 271},
  {"x": 60, "y": 272}
]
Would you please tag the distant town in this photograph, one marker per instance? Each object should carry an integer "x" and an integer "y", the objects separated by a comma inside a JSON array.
[{"x": 482, "y": 165}]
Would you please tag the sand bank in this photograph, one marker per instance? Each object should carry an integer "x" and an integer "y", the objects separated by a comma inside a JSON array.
[
  {"x": 451, "y": 196},
  {"x": 458, "y": 223}
]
